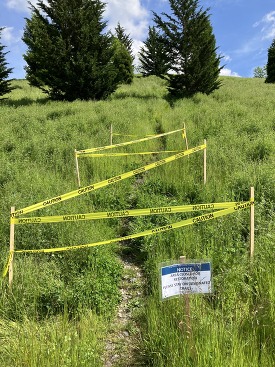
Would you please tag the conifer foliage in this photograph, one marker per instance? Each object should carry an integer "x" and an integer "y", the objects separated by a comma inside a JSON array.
[
  {"x": 153, "y": 57},
  {"x": 123, "y": 63},
  {"x": 188, "y": 38},
  {"x": 123, "y": 56},
  {"x": 270, "y": 67},
  {"x": 125, "y": 39},
  {"x": 5, "y": 86},
  {"x": 69, "y": 56}
]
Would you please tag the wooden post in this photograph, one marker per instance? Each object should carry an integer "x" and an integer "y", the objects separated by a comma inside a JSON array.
[
  {"x": 252, "y": 222},
  {"x": 186, "y": 142},
  {"x": 77, "y": 168},
  {"x": 204, "y": 163},
  {"x": 11, "y": 249},
  {"x": 111, "y": 135}
]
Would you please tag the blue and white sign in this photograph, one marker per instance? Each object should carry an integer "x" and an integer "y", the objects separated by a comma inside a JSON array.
[{"x": 184, "y": 278}]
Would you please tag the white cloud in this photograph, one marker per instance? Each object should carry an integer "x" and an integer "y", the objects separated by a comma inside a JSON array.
[
  {"x": 228, "y": 72},
  {"x": 268, "y": 25},
  {"x": 20, "y": 5},
  {"x": 10, "y": 36},
  {"x": 226, "y": 58},
  {"x": 131, "y": 15},
  {"x": 136, "y": 46},
  {"x": 258, "y": 43}
]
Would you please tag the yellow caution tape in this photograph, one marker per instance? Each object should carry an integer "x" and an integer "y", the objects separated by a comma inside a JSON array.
[
  {"x": 168, "y": 227},
  {"x": 127, "y": 213},
  {"x": 6, "y": 268},
  {"x": 91, "y": 150},
  {"x": 118, "y": 134},
  {"x": 96, "y": 186},
  {"x": 124, "y": 154}
]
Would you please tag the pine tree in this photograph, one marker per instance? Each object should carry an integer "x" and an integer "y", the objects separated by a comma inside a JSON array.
[
  {"x": 122, "y": 61},
  {"x": 69, "y": 56},
  {"x": 124, "y": 56},
  {"x": 5, "y": 86},
  {"x": 270, "y": 66},
  {"x": 188, "y": 38},
  {"x": 125, "y": 39},
  {"x": 259, "y": 72},
  {"x": 152, "y": 56}
]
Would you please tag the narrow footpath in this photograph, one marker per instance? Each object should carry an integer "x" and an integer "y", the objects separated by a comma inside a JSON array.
[{"x": 124, "y": 337}]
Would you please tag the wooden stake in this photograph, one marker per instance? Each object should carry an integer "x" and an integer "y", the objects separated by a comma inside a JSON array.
[
  {"x": 111, "y": 135},
  {"x": 204, "y": 163},
  {"x": 186, "y": 142},
  {"x": 252, "y": 222},
  {"x": 11, "y": 249},
  {"x": 77, "y": 168}
]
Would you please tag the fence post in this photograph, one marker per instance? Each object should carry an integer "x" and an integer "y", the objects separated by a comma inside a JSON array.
[
  {"x": 252, "y": 222},
  {"x": 204, "y": 163},
  {"x": 111, "y": 134},
  {"x": 77, "y": 168},
  {"x": 11, "y": 249},
  {"x": 185, "y": 134}
]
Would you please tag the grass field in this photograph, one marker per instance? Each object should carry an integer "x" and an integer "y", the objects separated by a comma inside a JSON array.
[{"x": 59, "y": 309}]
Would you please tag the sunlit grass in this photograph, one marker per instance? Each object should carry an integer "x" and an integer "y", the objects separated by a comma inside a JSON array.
[
  {"x": 234, "y": 326},
  {"x": 55, "y": 342}
]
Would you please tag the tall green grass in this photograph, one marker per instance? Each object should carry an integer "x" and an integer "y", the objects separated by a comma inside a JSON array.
[
  {"x": 54, "y": 342},
  {"x": 53, "y": 295}
]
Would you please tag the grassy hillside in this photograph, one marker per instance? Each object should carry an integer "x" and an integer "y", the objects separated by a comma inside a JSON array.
[{"x": 62, "y": 302}]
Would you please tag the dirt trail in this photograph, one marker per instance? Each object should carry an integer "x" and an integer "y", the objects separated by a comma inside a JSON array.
[
  {"x": 124, "y": 339},
  {"x": 122, "y": 344}
]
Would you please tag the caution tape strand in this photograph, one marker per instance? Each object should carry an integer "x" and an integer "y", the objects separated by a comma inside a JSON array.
[
  {"x": 112, "y": 180},
  {"x": 121, "y": 154},
  {"x": 127, "y": 213},
  {"x": 168, "y": 227},
  {"x": 91, "y": 150},
  {"x": 6, "y": 268}
]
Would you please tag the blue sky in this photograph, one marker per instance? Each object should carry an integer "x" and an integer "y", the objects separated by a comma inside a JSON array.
[{"x": 244, "y": 29}]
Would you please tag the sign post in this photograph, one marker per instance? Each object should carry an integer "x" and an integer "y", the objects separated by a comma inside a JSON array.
[{"x": 187, "y": 313}]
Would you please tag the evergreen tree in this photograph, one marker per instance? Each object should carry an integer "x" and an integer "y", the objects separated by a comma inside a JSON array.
[
  {"x": 188, "y": 38},
  {"x": 153, "y": 57},
  {"x": 69, "y": 56},
  {"x": 124, "y": 39},
  {"x": 260, "y": 72},
  {"x": 270, "y": 67},
  {"x": 122, "y": 61},
  {"x": 5, "y": 86},
  {"x": 124, "y": 56}
]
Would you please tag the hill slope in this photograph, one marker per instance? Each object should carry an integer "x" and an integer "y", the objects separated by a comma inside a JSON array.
[{"x": 57, "y": 299}]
